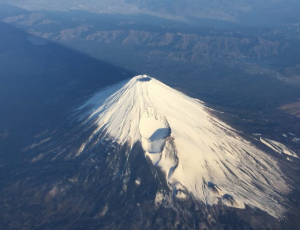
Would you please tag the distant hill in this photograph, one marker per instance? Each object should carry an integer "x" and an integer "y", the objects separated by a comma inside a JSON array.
[{"x": 243, "y": 11}]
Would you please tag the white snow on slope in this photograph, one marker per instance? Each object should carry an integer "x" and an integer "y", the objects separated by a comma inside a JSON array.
[
  {"x": 278, "y": 147},
  {"x": 200, "y": 154}
]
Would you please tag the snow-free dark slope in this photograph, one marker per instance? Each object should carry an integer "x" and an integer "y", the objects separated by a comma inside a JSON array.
[{"x": 200, "y": 155}]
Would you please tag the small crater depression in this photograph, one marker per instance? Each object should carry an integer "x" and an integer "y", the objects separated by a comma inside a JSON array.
[
  {"x": 154, "y": 128},
  {"x": 179, "y": 191},
  {"x": 213, "y": 188},
  {"x": 229, "y": 200}
]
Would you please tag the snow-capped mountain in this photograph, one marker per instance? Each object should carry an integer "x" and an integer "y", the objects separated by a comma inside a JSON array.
[{"x": 201, "y": 156}]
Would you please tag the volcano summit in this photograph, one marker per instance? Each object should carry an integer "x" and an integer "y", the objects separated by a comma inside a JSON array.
[{"x": 201, "y": 156}]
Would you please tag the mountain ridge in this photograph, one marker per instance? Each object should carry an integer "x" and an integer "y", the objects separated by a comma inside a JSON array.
[{"x": 233, "y": 10}]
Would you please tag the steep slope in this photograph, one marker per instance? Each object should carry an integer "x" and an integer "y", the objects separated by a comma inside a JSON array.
[{"x": 201, "y": 156}]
